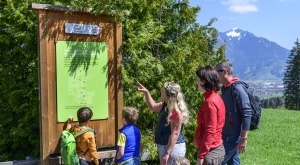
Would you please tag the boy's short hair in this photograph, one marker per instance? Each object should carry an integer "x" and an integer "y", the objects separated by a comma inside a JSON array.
[
  {"x": 84, "y": 114},
  {"x": 182, "y": 161},
  {"x": 130, "y": 114}
]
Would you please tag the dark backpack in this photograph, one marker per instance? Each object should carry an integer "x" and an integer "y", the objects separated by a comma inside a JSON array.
[{"x": 255, "y": 103}]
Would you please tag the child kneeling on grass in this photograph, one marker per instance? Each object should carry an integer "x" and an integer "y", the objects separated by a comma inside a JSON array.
[{"x": 128, "y": 150}]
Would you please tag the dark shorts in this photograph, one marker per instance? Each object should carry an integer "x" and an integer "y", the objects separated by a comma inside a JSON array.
[{"x": 84, "y": 162}]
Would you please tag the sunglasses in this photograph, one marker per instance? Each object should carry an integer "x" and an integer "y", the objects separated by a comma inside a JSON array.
[{"x": 221, "y": 70}]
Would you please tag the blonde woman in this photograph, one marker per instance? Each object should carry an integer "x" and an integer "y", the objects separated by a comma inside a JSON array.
[{"x": 173, "y": 113}]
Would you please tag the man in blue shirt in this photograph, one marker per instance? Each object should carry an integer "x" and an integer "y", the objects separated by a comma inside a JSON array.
[{"x": 238, "y": 114}]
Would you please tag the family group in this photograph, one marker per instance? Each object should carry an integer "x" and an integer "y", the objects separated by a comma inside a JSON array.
[{"x": 223, "y": 123}]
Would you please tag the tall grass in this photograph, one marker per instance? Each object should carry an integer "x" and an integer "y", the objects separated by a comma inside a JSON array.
[{"x": 277, "y": 141}]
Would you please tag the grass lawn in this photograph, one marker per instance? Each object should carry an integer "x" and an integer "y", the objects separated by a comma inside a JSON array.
[{"x": 277, "y": 141}]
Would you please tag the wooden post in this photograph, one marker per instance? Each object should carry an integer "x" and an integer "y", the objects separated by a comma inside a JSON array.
[{"x": 51, "y": 20}]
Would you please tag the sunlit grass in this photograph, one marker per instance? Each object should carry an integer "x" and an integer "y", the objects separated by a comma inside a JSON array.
[{"x": 277, "y": 140}]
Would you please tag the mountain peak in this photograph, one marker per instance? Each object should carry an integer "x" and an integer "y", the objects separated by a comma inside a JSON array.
[
  {"x": 235, "y": 32},
  {"x": 253, "y": 58}
]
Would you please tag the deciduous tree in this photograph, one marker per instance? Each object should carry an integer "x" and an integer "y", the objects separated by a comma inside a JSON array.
[{"x": 161, "y": 42}]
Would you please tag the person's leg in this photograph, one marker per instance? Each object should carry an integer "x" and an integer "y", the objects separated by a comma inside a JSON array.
[
  {"x": 83, "y": 162},
  {"x": 161, "y": 150},
  {"x": 178, "y": 150},
  {"x": 221, "y": 154},
  {"x": 235, "y": 156},
  {"x": 232, "y": 156},
  {"x": 137, "y": 160},
  {"x": 90, "y": 163},
  {"x": 235, "y": 159},
  {"x": 227, "y": 149},
  {"x": 127, "y": 162},
  {"x": 215, "y": 156}
]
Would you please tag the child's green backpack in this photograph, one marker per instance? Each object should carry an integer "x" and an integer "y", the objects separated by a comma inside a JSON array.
[{"x": 68, "y": 146}]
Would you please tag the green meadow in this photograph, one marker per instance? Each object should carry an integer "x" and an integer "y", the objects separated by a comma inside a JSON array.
[{"x": 277, "y": 141}]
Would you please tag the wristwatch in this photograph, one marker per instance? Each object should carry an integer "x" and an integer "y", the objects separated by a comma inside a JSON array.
[{"x": 243, "y": 138}]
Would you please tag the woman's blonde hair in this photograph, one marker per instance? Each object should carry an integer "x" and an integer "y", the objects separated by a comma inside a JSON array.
[{"x": 176, "y": 101}]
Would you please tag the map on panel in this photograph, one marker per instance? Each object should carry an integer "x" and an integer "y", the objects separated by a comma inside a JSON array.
[{"x": 81, "y": 75}]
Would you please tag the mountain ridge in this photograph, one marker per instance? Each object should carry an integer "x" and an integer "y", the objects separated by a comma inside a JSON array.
[{"x": 253, "y": 58}]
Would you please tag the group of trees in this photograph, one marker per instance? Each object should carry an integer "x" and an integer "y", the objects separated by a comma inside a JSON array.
[
  {"x": 274, "y": 102},
  {"x": 161, "y": 42},
  {"x": 19, "y": 95}
]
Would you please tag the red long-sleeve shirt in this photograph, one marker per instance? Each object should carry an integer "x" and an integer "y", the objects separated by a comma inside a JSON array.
[{"x": 210, "y": 122}]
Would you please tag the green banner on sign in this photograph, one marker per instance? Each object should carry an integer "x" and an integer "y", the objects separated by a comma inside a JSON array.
[{"x": 81, "y": 69}]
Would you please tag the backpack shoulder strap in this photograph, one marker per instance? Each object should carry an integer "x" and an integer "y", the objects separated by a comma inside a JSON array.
[
  {"x": 233, "y": 96},
  {"x": 71, "y": 130},
  {"x": 232, "y": 89},
  {"x": 83, "y": 132}
]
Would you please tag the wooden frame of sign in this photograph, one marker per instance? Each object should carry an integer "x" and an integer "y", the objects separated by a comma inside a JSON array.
[{"x": 51, "y": 28}]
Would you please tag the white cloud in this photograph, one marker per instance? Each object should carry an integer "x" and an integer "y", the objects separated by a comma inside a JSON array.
[{"x": 241, "y": 6}]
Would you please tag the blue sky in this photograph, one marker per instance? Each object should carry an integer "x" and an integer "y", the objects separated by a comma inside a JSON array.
[{"x": 275, "y": 20}]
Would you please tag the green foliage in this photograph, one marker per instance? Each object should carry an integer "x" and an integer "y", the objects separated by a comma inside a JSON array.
[
  {"x": 19, "y": 122},
  {"x": 148, "y": 148},
  {"x": 291, "y": 79},
  {"x": 273, "y": 102},
  {"x": 276, "y": 141},
  {"x": 161, "y": 42},
  {"x": 19, "y": 94}
]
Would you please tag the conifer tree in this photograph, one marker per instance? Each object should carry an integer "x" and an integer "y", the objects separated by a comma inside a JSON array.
[{"x": 291, "y": 79}]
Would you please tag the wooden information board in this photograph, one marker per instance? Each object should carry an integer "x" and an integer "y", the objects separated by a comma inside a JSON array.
[{"x": 59, "y": 25}]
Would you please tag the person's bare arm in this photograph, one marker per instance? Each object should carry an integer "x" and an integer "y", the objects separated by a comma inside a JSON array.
[
  {"x": 155, "y": 107},
  {"x": 175, "y": 131},
  {"x": 69, "y": 123},
  {"x": 120, "y": 152}
]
